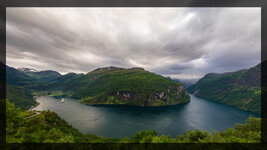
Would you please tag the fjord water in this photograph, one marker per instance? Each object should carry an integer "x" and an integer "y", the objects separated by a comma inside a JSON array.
[{"x": 118, "y": 121}]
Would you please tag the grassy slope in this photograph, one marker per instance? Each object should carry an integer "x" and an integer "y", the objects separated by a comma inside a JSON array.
[
  {"x": 240, "y": 89},
  {"x": 48, "y": 127}
]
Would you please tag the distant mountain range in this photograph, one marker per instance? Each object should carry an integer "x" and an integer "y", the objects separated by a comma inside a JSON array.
[
  {"x": 47, "y": 75},
  {"x": 20, "y": 83},
  {"x": 26, "y": 69},
  {"x": 16, "y": 92},
  {"x": 186, "y": 82},
  {"x": 241, "y": 89}
]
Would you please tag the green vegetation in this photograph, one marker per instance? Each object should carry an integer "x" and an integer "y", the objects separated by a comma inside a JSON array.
[
  {"x": 48, "y": 127},
  {"x": 47, "y": 93},
  {"x": 16, "y": 78},
  {"x": 110, "y": 85},
  {"x": 240, "y": 89},
  {"x": 113, "y": 100},
  {"x": 113, "y": 85},
  {"x": 23, "y": 85},
  {"x": 43, "y": 76},
  {"x": 44, "y": 128},
  {"x": 241, "y": 133},
  {"x": 56, "y": 93},
  {"x": 20, "y": 97},
  {"x": 133, "y": 86}
]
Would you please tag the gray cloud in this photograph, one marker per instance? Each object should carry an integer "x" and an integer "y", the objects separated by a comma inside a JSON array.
[{"x": 176, "y": 42}]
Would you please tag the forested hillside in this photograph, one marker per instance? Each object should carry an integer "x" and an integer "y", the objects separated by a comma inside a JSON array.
[{"x": 241, "y": 89}]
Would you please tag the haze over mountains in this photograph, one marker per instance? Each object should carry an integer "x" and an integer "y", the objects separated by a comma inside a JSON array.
[{"x": 186, "y": 82}]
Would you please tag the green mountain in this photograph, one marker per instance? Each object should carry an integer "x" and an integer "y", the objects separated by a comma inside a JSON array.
[
  {"x": 16, "y": 88},
  {"x": 25, "y": 77},
  {"x": 110, "y": 85},
  {"x": 66, "y": 77},
  {"x": 20, "y": 83},
  {"x": 113, "y": 85},
  {"x": 47, "y": 75},
  {"x": 16, "y": 77},
  {"x": 20, "y": 96},
  {"x": 241, "y": 89}
]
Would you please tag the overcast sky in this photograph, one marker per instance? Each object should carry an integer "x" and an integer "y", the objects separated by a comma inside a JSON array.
[{"x": 178, "y": 42}]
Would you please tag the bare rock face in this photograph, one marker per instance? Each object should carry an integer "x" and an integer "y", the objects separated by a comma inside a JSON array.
[
  {"x": 195, "y": 93},
  {"x": 180, "y": 90},
  {"x": 125, "y": 96},
  {"x": 173, "y": 95}
]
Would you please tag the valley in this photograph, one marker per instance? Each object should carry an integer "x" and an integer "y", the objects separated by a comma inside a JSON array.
[{"x": 113, "y": 97}]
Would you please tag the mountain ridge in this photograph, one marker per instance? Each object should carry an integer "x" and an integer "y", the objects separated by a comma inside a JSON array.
[
  {"x": 241, "y": 88},
  {"x": 106, "y": 85}
]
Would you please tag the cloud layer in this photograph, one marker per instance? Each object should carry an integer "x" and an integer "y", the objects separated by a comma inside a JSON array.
[{"x": 176, "y": 42}]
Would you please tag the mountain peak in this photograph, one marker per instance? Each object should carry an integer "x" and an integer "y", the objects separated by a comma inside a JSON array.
[
  {"x": 118, "y": 68},
  {"x": 26, "y": 69},
  {"x": 137, "y": 68}
]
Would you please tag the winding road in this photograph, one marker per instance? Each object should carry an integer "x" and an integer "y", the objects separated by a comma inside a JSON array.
[{"x": 36, "y": 113}]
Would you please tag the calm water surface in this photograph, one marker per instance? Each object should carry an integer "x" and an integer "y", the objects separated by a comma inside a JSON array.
[{"x": 120, "y": 120}]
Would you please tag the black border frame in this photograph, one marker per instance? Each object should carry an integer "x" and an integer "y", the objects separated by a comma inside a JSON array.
[{"x": 131, "y": 3}]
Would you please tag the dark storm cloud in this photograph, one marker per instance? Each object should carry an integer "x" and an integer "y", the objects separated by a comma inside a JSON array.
[{"x": 176, "y": 42}]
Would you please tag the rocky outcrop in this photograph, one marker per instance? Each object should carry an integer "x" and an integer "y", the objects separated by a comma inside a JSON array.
[
  {"x": 195, "y": 93},
  {"x": 173, "y": 95}
]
